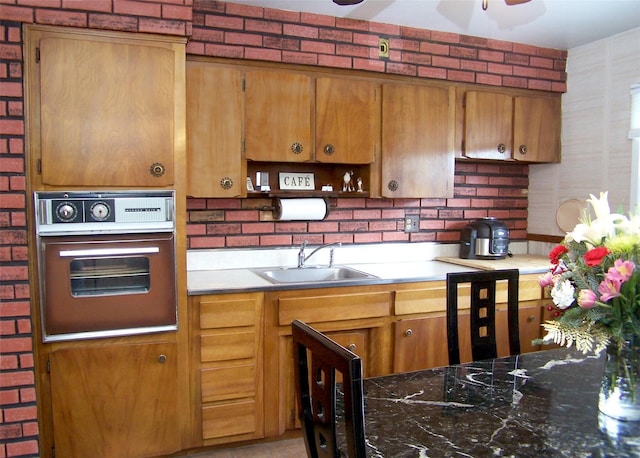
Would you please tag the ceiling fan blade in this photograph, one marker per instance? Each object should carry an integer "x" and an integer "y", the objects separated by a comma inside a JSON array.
[
  {"x": 347, "y": 2},
  {"x": 516, "y": 2}
]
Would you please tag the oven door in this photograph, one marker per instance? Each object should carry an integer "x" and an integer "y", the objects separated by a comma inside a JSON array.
[{"x": 101, "y": 286}]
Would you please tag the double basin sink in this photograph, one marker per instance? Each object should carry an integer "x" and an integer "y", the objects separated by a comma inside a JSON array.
[{"x": 287, "y": 275}]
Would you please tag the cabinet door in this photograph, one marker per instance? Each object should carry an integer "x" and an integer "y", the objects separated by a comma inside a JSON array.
[
  {"x": 536, "y": 129},
  {"x": 278, "y": 116},
  {"x": 347, "y": 113},
  {"x": 487, "y": 125},
  {"x": 119, "y": 400},
  {"x": 421, "y": 343},
  {"x": 215, "y": 111},
  {"x": 107, "y": 111},
  {"x": 417, "y": 141}
]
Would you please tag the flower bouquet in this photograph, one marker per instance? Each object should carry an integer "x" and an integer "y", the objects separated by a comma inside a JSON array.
[{"x": 595, "y": 285}]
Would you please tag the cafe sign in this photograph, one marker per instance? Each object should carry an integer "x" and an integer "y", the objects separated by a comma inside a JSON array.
[{"x": 296, "y": 181}]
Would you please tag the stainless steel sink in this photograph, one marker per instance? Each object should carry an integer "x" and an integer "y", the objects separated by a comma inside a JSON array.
[{"x": 312, "y": 274}]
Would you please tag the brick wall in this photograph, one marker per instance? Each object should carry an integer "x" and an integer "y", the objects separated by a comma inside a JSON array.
[
  {"x": 18, "y": 404},
  {"x": 227, "y": 30},
  {"x": 246, "y": 32},
  {"x": 480, "y": 190}
]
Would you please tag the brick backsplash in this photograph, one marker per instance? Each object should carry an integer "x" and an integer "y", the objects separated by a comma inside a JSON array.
[
  {"x": 480, "y": 190},
  {"x": 243, "y": 32}
]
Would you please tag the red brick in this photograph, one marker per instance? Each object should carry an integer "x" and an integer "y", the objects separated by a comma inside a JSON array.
[
  {"x": 263, "y": 26},
  {"x": 236, "y": 52},
  {"x": 334, "y": 61},
  {"x": 417, "y": 34},
  {"x": 24, "y": 448},
  {"x": 182, "y": 13},
  {"x": 11, "y": 127},
  {"x": 137, "y": 8},
  {"x": 275, "y": 240},
  {"x": 445, "y": 62},
  {"x": 352, "y": 24},
  {"x": 300, "y": 30},
  {"x": 87, "y": 5},
  {"x": 317, "y": 47},
  {"x": 8, "y": 362},
  {"x": 434, "y": 48},
  {"x": 402, "y": 69},
  {"x": 455, "y": 75},
  {"x": 474, "y": 65},
  {"x": 8, "y": 89},
  {"x": 16, "y": 14},
  {"x": 224, "y": 22},
  {"x": 273, "y": 55},
  {"x": 161, "y": 26},
  {"x": 281, "y": 15},
  {"x": 445, "y": 37},
  {"x": 281, "y": 43},
  {"x": 300, "y": 58},
  {"x": 244, "y": 10},
  {"x": 490, "y": 80},
  {"x": 113, "y": 22},
  {"x": 370, "y": 237},
  {"x": 58, "y": 17},
  {"x": 207, "y": 242},
  {"x": 429, "y": 72},
  {"x": 388, "y": 30},
  {"x": 491, "y": 56},
  {"x": 317, "y": 19},
  {"x": 539, "y": 85}
]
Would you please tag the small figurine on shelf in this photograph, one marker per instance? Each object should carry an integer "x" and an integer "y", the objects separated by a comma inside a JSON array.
[
  {"x": 347, "y": 186},
  {"x": 359, "y": 181}
]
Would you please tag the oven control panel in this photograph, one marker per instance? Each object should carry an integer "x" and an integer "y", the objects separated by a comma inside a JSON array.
[{"x": 59, "y": 213}]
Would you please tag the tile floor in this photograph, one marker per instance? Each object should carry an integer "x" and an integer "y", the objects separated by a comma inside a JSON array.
[{"x": 288, "y": 448}]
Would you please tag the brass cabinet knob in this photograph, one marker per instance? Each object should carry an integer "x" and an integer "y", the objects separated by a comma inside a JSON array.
[
  {"x": 408, "y": 333},
  {"x": 226, "y": 183},
  {"x": 162, "y": 359},
  {"x": 352, "y": 347},
  {"x": 392, "y": 185},
  {"x": 523, "y": 149},
  {"x": 296, "y": 147},
  {"x": 502, "y": 148},
  {"x": 329, "y": 149},
  {"x": 157, "y": 169},
  {"x": 531, "y": 318}
]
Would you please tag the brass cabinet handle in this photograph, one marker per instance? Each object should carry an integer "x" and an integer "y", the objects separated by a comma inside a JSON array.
[
  {"x": 226, "y": 183},
  {"x": 502, "y": 148},
  {"x": 329, "y": 149},
  {"x": 531, "y": 318},
  {"x": 157, "y": 169},
  {"x": 352, "y": 347},
  {"x": 523, "y": 149},
  {"x": 162, "y": 359},
  {"x": 296, "y": 147},
  {"x": 408, "y": 333}
]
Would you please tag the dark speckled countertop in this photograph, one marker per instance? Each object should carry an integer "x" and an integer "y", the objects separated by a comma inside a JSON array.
[{"x": 540, "y": 404}]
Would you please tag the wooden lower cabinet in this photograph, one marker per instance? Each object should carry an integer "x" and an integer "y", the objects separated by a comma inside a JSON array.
[
  {"x": 355, "y": 317},
  {"x": 115, "y": 400},
  {"x": 420, "y": 328},
  {"x": 227, "y": 338}
]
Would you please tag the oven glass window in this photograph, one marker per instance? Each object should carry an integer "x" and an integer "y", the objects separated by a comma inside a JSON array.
[{"x": 109, "y": 276}]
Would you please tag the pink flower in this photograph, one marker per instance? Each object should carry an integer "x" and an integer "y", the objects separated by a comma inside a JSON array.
[
  {"x": 609, "y": 288},
  {"x": 621, "y": 270},
  {"x": 545, "y": 280},
  {"x": 587, "y": 298}
]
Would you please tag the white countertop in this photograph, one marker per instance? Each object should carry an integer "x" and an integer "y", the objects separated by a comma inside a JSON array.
[{"x": 231, "y": 270}]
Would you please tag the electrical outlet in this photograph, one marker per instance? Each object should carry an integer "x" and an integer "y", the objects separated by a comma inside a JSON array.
[{"x": 412, "y": 223}]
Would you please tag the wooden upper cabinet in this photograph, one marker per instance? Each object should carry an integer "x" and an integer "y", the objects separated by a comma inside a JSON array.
[
  {"x": 215, "y": 109},
  {"x": 488, "y": 125},
  {"x": 347, "y": 121},
  {"x": 536, "y": 129},
  {"x": 504, "y": 127},
  {"x": 278, "y": 116},
  {"x": 105, "y": 108},
  {"x": 417, "y": 141}
]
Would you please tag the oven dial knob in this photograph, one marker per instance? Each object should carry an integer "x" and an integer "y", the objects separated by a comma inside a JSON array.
[
  {"x": 66, "y": 211},
  {"x": 99, "y": 211}
]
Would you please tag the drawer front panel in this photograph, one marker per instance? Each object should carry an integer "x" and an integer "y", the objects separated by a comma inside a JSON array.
[
  {"x": 228, "y": 382},
  {"x": 224, "y": 347},
  {"x": 228, "y": 419},
  {"x": 227, "y": 314},
  {"x": 333, "y": 308}
]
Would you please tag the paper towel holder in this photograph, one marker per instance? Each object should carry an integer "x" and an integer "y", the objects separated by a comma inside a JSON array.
[{"x": 276, "y": 207}]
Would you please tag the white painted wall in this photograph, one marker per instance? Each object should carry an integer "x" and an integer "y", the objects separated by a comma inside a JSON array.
[{"x": 596, "y": 150}]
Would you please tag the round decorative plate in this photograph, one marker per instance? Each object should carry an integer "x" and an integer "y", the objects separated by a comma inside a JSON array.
[{"x": 569, "y": 213}]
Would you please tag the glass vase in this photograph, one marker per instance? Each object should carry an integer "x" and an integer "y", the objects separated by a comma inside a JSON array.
[{"x": 620, "y": 389}]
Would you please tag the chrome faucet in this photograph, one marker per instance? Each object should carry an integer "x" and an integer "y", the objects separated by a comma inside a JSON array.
[{"x": 302, "y": 258}]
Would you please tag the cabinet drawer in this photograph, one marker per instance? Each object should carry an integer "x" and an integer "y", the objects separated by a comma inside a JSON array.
[
  {"x": 431, "y": 299},
  {"x": 233, "y": 382},
  {"x": 316, "y": 309},
  {"x": 229, "y": 419},
  {"x": 228, "y": 313},
  {"x": 224, "y": 347}
]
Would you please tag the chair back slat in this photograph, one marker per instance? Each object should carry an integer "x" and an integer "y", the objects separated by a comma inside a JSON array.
[
  {"x": 482, "y": 313},
  {"x": 316, "y": 392}
]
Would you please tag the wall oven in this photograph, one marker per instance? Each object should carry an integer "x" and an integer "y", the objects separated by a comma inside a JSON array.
[{"x": 106, "y": 263}]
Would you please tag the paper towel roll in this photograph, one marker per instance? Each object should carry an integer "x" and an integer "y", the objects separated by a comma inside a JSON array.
[{"x": 301, "y": 209}]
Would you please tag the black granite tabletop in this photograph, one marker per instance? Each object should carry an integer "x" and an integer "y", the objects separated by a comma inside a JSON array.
[{"x": 542, "y": 404}]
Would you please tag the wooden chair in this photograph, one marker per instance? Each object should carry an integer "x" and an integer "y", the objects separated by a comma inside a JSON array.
[
  {"x": 483, "y": 312},
  {"x": 317, "y": 403}
]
